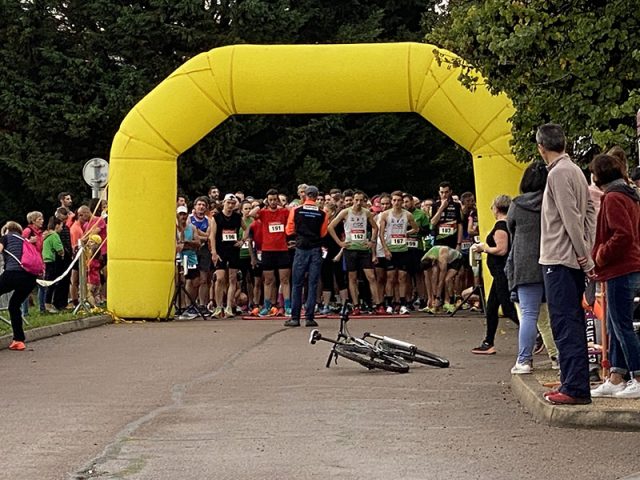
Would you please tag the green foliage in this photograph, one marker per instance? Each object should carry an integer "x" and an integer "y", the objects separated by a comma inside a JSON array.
[
  {"x": 574, "y": 63},
  {"x": 72, "y": 69}
]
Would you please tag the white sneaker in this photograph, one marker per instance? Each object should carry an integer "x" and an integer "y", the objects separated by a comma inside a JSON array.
[
  {"x": 608, "y": 389},
  {"x": 389, "y": 310},
  {"x": 554, "y": 363},
  {"x": 521, "y": 369},
  {"x": 404, "y": 310},
  {"x": 229, "y": 313},
  {"x": 632, "y": 390}
]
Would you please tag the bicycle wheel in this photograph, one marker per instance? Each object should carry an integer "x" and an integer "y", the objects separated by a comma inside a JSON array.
[
  {"x": 370, "y": 359},
  {"x": 420, "y": 356}
]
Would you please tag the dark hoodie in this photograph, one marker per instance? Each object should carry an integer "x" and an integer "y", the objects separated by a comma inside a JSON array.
[
  {"x": 617, "y": 248},
  {"x": 523, "y": 221}
]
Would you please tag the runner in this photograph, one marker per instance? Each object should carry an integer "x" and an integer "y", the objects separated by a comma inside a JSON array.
[
  {"x": 447, "y": 222},
  {"x": 394, "y": 228},
  {"x": 447, "y": 219},
  {"x": 200, "y": 220},
  {"x": 225, "y": 253},
  {"x": 245, "y": 254},
  {"x": 359, "y": 249},
  {"x": 415, "y": 242},
  {"x": 470, "y": 230},
  {"x": 275, "y": 253},
  {"x": 384, "y": 201},
  {"x": 332, "y": 274},
  {"x": 442, "y": 265}
]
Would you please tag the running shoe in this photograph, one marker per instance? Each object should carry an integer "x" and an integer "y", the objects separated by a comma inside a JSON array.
[
  {"x": 325, "y": 310},
  {"x": 15, "y": 345},
  {"x": 217, "y": 313},
  {"x": 389, "y": 310},
  {"x": 539, "y": 348},
  {"x": 380, "y": 310},
  {"x": 264, "y": 312},
  {"x": 428, "y": 309},
  {"x": 292, "y": 323},
  {"x": 311, "y": 323},
  {"x": 608, "y": 389},
  {"x": 279, "y": 312},
  {"x": 484, "y": 349},
  {"x": 521, "y": 369},
  {"x": 287, "y": 312},
  {"x": 632, "y": 390},
  {"x": 255, "y": 311},
  {"x": 355, "y": 312},
  {"x": 273, "y": 312},
  {"x": 448, "y": 308},
  {"x": 229, "y": 313},
  {"x": 404, "y": 310}
]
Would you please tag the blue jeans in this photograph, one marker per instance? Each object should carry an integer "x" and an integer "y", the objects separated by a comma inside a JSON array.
[
  {"x": 624, "y": 347},
  {"x": 530, "y": 298},
  {"x": 564, "y": 287},
  {"x": 305, "y": 261}
]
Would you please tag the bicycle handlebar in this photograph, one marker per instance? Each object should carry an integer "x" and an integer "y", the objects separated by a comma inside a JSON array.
[{"x": 314, "y": 336}]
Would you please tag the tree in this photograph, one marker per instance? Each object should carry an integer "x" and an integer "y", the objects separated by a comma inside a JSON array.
[
  {"x": 574, "y": 63},
  {"x": 72, "y": 69}
]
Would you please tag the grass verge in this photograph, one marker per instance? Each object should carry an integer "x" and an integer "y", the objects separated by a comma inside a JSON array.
[{"x": 36, "y": 319}]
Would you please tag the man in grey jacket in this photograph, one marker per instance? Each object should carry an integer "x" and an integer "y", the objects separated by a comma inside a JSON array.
[{"x": 567, "y": 235}]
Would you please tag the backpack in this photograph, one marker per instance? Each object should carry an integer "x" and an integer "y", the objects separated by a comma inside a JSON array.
[{"x": 31, "y": 261}]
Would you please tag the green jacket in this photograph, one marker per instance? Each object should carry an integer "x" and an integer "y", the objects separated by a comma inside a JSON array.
[{"x": 51, "y": 246}]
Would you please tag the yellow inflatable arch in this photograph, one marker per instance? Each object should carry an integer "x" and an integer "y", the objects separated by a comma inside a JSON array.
[{"x": 270, "y": 79}]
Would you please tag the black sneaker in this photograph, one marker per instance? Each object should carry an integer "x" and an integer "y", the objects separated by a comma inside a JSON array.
[
  {"x": 311, "y": 323},
  {"x": 484, "y": 349},
  {"x": 292, "y": 323},
  {"x": 539, "y": 348}
]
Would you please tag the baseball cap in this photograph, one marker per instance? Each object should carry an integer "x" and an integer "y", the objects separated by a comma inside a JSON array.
[
  {"x": 230, "y": 197},
  {"x": 311, "y": 191},
  {"x": 182, "y": 209}
]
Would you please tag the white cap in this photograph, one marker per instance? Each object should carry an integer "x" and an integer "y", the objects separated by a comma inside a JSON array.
[
  {"x": 182, "y": 209},
  {"x": 230, "y": 196}
]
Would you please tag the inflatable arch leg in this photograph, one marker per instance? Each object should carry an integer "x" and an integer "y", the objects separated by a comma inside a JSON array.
[{"x": 268, "y": 79}]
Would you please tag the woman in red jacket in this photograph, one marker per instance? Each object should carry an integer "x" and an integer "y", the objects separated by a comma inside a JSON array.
[{"x": 617, "y": 256}]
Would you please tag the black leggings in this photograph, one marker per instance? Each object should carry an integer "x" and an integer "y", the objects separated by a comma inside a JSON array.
[
  {"x": 21, "y": 284},
  {"x": 498, "y": 296},
  {"x": 331, "y": 270}
]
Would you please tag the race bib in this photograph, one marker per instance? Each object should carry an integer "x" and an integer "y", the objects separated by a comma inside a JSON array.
[
  {"x": 398, "y": 240},
  {"x": 245, "y": 245},
  {"x": 446, "y": 230},
  {"x": 412, "y": 243},
  {"x": 310, "y": 207},
  {"x": 358, "y": 236},
  {"x": 276, "y": 228},
  {"x": 466, "y": 245},
  {"x": 229, "y": 236}
]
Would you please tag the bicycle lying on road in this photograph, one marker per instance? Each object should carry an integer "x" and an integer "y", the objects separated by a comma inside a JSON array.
[{"x": 383, "y": 352}]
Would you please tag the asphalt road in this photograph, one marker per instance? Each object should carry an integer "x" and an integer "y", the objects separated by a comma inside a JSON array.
[{"x": 252, "y": 400}]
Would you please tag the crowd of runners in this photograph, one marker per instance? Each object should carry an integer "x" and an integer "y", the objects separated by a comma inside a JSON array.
[{"x": 389, "y": 253}]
